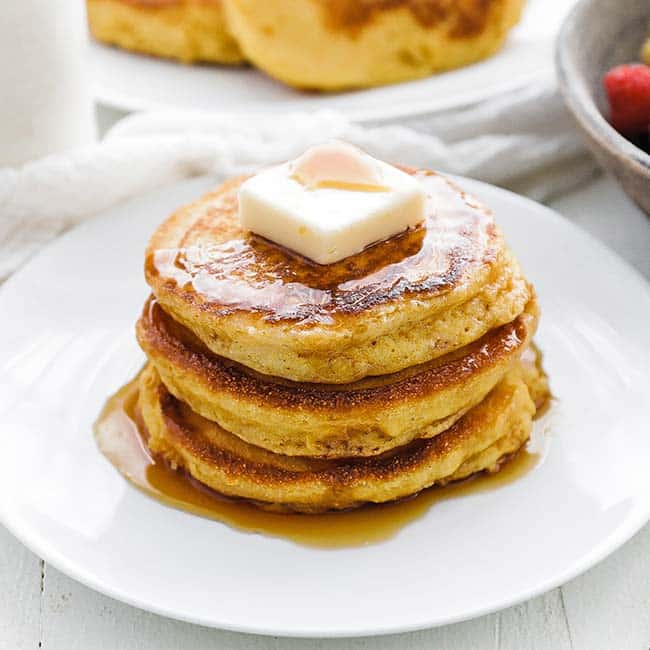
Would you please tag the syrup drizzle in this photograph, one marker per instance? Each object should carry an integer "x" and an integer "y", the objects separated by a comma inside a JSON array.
[
  {"x": 121, "y": 441},
  {"x": 232, "y": 270}
]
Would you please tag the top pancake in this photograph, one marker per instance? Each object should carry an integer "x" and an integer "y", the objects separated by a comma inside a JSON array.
[{"x": 252, "y": 301}]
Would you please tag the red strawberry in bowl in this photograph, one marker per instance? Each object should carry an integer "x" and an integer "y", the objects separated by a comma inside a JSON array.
[{"x": 628, "y": 90}]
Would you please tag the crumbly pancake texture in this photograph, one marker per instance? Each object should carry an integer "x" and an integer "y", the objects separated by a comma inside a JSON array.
[
  {"x": 398, "y": 303},
  {"x": 335, "y": 44},
  {"x": 495, "y": 428},
  {"x": 364, "y": 418},
  {"x": 188, "y": 30}
]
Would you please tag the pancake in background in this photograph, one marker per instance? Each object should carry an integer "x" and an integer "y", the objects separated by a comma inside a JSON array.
[
  {"x": 188, "y": 30},
  {"x": 336, "y": 44}
]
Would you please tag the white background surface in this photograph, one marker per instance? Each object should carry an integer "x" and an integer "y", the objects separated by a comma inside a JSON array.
[{"x": 609, "y": 607}]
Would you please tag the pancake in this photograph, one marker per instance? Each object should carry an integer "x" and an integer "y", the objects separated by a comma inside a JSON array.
[
  {"x": 336, "y": 44},
  {"x": 398, "y": 303},
  {"x": 533, "y": 374},
  {"x": 491, "y": 431},
  {"x": 187, "y": 30},
  {"x": 364, "y": 418}
]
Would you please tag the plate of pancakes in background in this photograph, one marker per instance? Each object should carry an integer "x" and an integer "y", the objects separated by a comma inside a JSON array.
[
  {"x": 444, "y": 424},
  {"x": 377, "y": 59}
]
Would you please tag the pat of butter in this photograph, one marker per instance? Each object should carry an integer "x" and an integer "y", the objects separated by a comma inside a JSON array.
[{"x": 328, "y": 205}]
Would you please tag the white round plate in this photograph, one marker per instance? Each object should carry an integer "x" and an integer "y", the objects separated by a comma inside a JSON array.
[
  {"x": 68, "y": 343},
  {"x": 135, "y": 82}
]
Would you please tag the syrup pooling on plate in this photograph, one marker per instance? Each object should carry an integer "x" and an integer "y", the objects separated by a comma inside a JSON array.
[
  {"x": 121, "y": 441},
  {"x": 230, "y": 269}
]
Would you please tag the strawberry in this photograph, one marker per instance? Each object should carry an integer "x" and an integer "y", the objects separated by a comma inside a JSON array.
[{"x": 628, "y": 89}]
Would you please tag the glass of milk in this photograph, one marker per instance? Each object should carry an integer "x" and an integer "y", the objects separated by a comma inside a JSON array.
[{"x": 45, "y": 103}]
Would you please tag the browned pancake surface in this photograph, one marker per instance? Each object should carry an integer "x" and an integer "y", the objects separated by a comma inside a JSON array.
[
  {"x": 465, "y": 17},
  {"x": 160, "y": 335},
  {"x": 498, "y": 426},
  {"x": 204, "y": 255}
]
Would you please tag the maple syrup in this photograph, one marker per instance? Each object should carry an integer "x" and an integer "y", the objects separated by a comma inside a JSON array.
[
  {"x": 226, "y": 267},
  {"x": 121, "y": 441}
]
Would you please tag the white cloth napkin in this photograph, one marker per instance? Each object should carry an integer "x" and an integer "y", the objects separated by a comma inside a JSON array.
[{"x": 524, "y": 141}]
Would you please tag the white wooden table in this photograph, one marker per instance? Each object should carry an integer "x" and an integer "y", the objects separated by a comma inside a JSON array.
[{"x": 608, "y": 608}]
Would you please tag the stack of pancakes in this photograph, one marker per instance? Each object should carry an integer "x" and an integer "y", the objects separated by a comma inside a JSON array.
[
  {"x": 321, "y": 44},
  {"x": 308, "y": 388}
]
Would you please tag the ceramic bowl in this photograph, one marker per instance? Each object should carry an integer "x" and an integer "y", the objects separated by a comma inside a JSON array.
[{"x": 597, "y": 35}]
